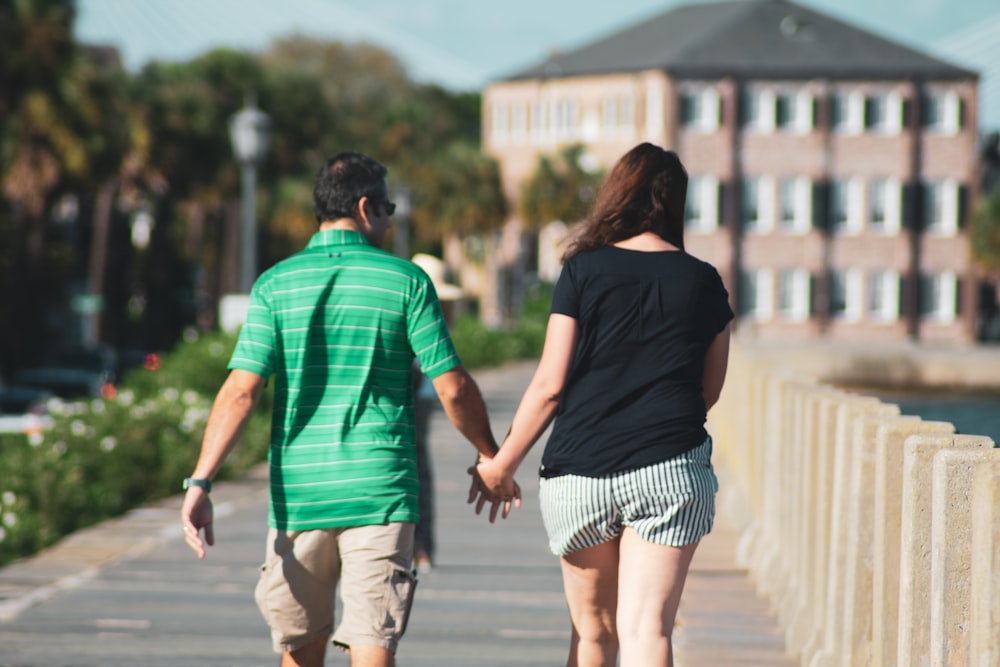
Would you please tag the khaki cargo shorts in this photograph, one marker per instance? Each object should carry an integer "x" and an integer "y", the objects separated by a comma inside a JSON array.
[{"x": 298, "y": 583}]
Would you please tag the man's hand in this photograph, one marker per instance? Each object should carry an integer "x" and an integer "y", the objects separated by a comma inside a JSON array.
[
  {"x": 500, "y": 493},
  {"x": 197, "y": 513}
]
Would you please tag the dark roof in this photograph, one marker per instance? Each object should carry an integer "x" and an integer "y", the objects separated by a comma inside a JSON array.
[{"x": 751, "y": 38}]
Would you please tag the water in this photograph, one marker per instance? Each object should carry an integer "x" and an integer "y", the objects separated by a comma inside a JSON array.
[{"x": 972, "y": 414}]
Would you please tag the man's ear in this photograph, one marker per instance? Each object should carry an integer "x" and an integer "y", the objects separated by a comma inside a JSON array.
[{"x": 362, "y": 212}]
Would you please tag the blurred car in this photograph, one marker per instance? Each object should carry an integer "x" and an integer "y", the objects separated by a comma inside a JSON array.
[{"x": 74, "y": 373}]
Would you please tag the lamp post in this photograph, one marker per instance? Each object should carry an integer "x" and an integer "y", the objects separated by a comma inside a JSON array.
[{"x": 248, "y": 130}]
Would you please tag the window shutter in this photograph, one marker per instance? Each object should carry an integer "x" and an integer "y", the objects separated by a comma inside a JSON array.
[
  {"x": 834, "y": 111},
  {"x": 912, "y": 206},
  {"x": 959, "y": 304},
  {"x": 821, "y": 205},
  {"x": 960, "y": 116},
  {"x": 783, "y": 112},
  {"x": 721, "y": 209},
  {"x": 907, "y": 112},
  {"x": 687, "y": 109},
  {"x": 962, "y": 206},
  {"x": 868, "y": 117},
  {"x": 744, "y": 116}
]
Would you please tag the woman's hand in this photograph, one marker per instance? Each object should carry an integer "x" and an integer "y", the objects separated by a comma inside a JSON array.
[{"x": 490, "y": 483}]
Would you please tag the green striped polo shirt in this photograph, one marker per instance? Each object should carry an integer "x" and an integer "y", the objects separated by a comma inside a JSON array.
[{"x": 338, "y": 325}]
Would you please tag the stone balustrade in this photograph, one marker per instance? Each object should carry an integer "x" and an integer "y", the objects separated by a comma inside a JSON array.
[{"x": 875, "y": 535}]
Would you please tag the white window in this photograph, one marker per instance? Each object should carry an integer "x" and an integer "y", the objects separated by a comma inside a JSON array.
[
  {"x": 845, "y": 294},
  {"x": 884, "y": 202},
  {"x": 943, "y": 112},
  {"x": 757, "y": 295},
  {"x": 757, "y": 197},
  {"x": 846, "y": 205},
  {"x": 795, "y": 204},
  {"x": 654, "y": 113},
  {"x": 883, "y": 296},
  {"x": 519, "y": 121},
  {"x": 702, "y": 208},
  {"x": 700, "y": 108},
  {"x": 847, "y": 112},
  {"x": 759, "y": 110},
  {"x": 501, "y": 120},
  {"x": 941, "y": 207},
  {"x": 794, "y": 112},
  {"x": 566, "y": 118},
  {"x": 939, "y": 296},
  {"x": 539, "y": 119},
  {"x": 884, "y": 113},
  {"x": 617, "y": 113},
  {"x": 793, "y": 294}
]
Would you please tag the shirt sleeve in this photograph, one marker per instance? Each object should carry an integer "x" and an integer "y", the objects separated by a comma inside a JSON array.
[
  {"x": 719, "y": 312},
  {"x": 430, "y": 339},
  {"x": 565, "y": 295},
  {"x": 255, "y": 347}
]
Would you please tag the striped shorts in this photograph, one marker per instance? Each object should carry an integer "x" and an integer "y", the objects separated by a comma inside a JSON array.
[{"x": 670, "y": 503}]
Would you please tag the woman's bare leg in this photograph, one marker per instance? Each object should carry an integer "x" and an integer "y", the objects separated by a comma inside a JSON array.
[
  {"x": 650, "y": 583},
  {"x": 590, "y": 580}
]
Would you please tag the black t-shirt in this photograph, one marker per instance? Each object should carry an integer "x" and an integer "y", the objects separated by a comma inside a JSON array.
[{"x": 633, "y": 396}]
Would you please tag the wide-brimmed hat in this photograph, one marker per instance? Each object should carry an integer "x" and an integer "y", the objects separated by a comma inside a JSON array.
[{"x": 435, "y": 269}]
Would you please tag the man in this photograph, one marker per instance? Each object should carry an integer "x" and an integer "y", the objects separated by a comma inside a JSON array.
[{"x": 339, "y": 325}]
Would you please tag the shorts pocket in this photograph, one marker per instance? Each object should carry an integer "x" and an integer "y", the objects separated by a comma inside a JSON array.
[{"x": 402, "y": 584}]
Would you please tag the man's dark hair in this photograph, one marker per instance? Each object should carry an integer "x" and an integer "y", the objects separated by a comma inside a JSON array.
[{"x": 342, "y": 181}]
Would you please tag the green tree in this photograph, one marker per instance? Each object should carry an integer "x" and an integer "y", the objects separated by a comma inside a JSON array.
[
  {"x": 560, "y": 189},
  {"x": 985, "y": 233},
  {"x": 458, "y": 193}
]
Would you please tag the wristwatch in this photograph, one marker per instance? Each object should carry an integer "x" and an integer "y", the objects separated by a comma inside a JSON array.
[{"x": 199, "y": 482}]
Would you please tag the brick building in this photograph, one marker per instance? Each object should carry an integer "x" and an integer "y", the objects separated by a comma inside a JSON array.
[{"x": 831, "y": 169}]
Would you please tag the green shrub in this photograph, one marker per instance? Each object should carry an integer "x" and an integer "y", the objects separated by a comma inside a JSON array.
[{"x": 102, "y": 457}]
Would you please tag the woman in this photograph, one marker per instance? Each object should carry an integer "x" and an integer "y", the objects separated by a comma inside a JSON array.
[{"x": 635, "y": 354}]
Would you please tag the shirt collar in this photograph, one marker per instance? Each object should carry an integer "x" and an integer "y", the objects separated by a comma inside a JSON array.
[{"x": 331, "y": 237}]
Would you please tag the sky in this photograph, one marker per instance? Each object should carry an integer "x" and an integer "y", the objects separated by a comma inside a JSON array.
[{"x": 464, "y": 44}]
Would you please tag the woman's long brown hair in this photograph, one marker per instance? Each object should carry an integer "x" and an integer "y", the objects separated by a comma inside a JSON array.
[{"x": 645, "y": 192}]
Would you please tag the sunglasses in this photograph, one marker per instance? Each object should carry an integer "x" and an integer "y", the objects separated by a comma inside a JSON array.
[{"x": 390, "y": 207}]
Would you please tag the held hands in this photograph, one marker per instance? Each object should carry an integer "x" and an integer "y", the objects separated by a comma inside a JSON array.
[
  {"x": 197, "y": 513},
  {"x": 491, "y": 484}
]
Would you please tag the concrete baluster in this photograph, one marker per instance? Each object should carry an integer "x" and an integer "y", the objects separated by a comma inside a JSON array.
[
  {"x": 986, "y": 566},
  {"x": 858, "y": 564},
  {"x": 853, "y": 407},
  {"x": 806, "y": 635},
  {"x": 915, "y": 600},
  {"x": 887, "y": 519},
  {"x": 951, "y": 552}
]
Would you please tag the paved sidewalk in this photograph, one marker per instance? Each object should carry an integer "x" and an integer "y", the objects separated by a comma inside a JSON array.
[{"x": 129, "y": 592}]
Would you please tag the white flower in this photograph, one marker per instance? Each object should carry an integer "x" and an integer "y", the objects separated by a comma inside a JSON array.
[
  {"x": 9, "y": 519},
  {"x": 190, "y": 397},
  {"x": 54, "y": 406},
  {"x": 97, "y": 407},
  {"x": 78, "y": 427},
  {"x": 190, "y": 334},
  {"x": 138, "y": 412},
  {"x": 35, "y": 439},
  {"x": 126, "y": 397},
  {"x": 59, "y": 448},
  {"x": 8, "y": 498},
  {"x": 108, "y": 443},
  {"x": 171, "y": 394},
  {"x": 216, "y": 349}
]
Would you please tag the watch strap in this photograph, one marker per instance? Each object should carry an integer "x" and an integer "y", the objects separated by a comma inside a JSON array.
[{"x": 199, "y": 482}]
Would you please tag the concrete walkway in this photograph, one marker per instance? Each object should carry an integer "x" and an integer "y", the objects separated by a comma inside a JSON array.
[{"x": 129, "y": 592}]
